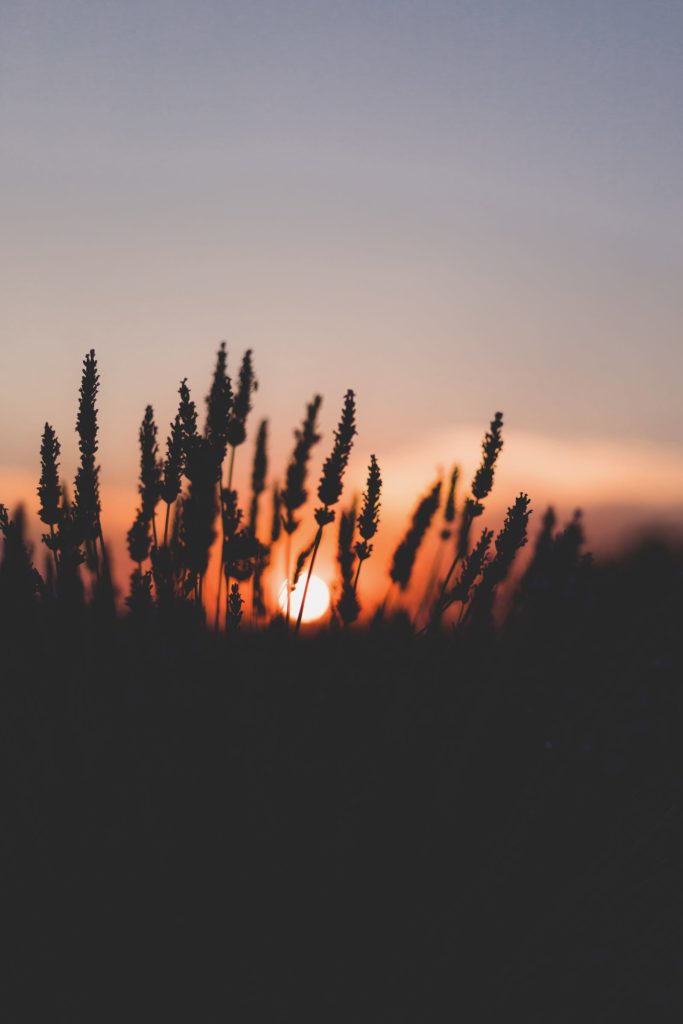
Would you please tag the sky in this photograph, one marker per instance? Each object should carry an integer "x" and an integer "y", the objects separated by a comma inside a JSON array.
[{"x": 452, "y": 207}]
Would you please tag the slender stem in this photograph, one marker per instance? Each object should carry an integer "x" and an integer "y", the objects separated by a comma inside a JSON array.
[
  {"x": 154, "y": 529},
  {"x": 220, "y": 559},
  {"x": 91, "y": 547},
  {"x": 168, "y": 515},
  {"x": 227, "y": 599},
  {"x": 288, "y": 575},
  {"x": 101, "y": 540},
  {"x": 355, "y": 582},
  {"x": 431, "y": 580},
  {"x": 318, "y": 538},
  {"x": 460, "y": 551},
  {"x": 54, "y": 550},
  {"x": 231, "y": 466}
]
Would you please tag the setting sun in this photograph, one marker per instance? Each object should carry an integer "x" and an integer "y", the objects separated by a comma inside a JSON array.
[{"x": 317, "y": 599}]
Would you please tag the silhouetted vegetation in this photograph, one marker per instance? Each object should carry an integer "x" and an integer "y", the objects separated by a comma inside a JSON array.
[{"x": 469, "y": 814}]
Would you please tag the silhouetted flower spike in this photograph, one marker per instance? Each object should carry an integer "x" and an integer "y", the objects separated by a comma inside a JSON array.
[
  {"x": 368, "y": 520},
  {"x": 294, "y": 494},
  {"x": 493, "y": 442},
  {"x": 539, "y": 563},
  {"x": 199, "y": 508},
  {"x": 234, "y": 612},
  {"x": 49, "y": 491},
  {"x": 473, "y": 565},
  {"x": 331, "y": 480},
  {"x": 139, "y": 600},
  {"x": 19, "y": 580},
  {"x": 187, "y": 411},
  {"x": 301, "y": 560},
  {"x": 232, "y": 514},
  {"x": 258, "y": 473},
  {"x": 241, "y": 406},
  {"x": 138, "y": 538},
  {"x": 87, "y": 486},
  {"x": 276, "y": 521},
  {"x": 219, "y": 403},
  {"x": 406, "y": 552},
  {"x": 347, "y": 606},
  {"x": 511, "y": 538},
  {"x": 173, "y": 463},
  {"x": 449, "y": 507},
  {"x": 150, "y": 467}
]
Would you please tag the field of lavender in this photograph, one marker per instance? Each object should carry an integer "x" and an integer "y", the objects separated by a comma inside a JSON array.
[{"x": 469, "y": 808}]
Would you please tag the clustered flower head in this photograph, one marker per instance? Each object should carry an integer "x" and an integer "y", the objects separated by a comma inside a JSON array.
[
  {"x": 368, "y": 520},
  {"x": 174, "y": 463},
  {"x": 241, "y": 405},
  {"x": 150, "y": 467},
  {"x": 406, "y": 552},
  {"x": 493, "y": 442},
  {"x": 348, "y": 606},
  {"x": 294, "y": 493},
  {"x": 472, "y": 567},
  {"x": 258, "y": 473},
  {"x": 49, "y": 491},
  {"x": 331, "y": 480},
  {"x": 87, "y": 485},
  {"x": 219, "y": 403}
]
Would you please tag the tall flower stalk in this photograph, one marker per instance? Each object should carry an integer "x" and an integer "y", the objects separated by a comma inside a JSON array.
[
  {"x": 406, "y": 553},
  {"x": 172, "y": 471},
  {"x": 347, "y": 605},
  {"x": 87, "y": 506},
  {"x": 332, "y": 482},
  {"x": 481, "y": 488},
  {"x": 294, "y": 494},
  {"x": 49, "y": 491},
  {"x": 368, "y": 520}
]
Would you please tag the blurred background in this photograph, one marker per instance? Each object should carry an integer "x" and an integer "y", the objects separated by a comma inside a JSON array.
[{"x": 451, "y": 207}]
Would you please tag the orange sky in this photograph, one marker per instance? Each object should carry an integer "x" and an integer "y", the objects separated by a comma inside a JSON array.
[
  {"x": 451, "y": 208},
  {"x": 622, "y": 488}
]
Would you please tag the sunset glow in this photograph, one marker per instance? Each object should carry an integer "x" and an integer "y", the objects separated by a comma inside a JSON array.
[{"x": 317, "y": 599}]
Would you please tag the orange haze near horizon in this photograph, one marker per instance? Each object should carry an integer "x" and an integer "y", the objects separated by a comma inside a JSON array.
[{"x": 623, "y": 489}]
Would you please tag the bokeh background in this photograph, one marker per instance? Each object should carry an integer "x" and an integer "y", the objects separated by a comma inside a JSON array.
[{"x": 452, "y": 207}]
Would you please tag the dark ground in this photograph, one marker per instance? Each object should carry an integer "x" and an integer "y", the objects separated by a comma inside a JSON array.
[{"x": 365, "y": 828}]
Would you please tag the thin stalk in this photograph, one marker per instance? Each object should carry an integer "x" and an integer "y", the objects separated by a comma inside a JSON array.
[
  {"x": 54, "y": 551},
  {"x": 220, "y": 559},
  {"x": 93, "y": 550},
  {"x": 288, "y": 575},
  {"x": 355, "y": 582},
  {"x": 231, "y": 466},
  {"x": 318, "y": 538},
  {"x": 168, "y": 515},
  {"x": 431, "y": 580}
]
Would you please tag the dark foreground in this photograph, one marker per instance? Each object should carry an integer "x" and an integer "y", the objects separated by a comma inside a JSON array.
[{"x": 351, "y": 828}]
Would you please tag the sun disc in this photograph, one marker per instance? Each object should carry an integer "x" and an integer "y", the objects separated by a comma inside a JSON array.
[{"x": 317, "y": 598}]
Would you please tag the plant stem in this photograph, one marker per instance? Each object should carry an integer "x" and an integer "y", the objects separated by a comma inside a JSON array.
[
  {"x": 318, "y": 538},
  {"x": 231, "y": 466},
  {"x": 288, "y": 575},
  {"x": 355, "y": 582},
  {"x": 54, "y": 550},
  {"x": 168, "y": 514},
  {"x": 220, "y": 559}
]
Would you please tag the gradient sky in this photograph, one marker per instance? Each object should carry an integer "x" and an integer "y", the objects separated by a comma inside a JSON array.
[{"x": 452, "y": 207}]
